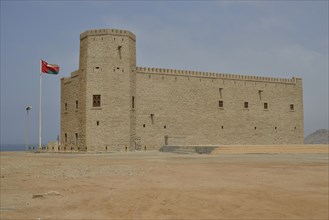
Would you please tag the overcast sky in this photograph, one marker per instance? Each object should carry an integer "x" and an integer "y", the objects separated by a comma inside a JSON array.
[{"x": 277, "y": 39}]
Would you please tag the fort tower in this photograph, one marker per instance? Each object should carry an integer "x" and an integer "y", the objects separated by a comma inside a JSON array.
[{"x": 106, "y": 85}]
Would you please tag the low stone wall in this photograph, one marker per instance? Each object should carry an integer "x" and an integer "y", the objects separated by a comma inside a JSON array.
[{"x": 52, "y": 147}]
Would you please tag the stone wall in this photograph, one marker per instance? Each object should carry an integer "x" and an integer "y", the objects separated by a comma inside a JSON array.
[
  {"x": 185, "y": 104},
  {"x": 70, "y": 125}
]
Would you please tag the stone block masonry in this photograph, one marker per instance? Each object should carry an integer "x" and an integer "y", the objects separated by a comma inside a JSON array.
[{"x": 110, "y": 104}]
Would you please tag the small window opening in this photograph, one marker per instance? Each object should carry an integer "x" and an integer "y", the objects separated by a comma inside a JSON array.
[
  {"x": 220, "y": 92},
  {"x": 76, "y": 138},
  {"x": 260, "y": 94},
  {"x": 119, "y": 51},
  {"x": 165, "y": 127},
  {"x": 275, "y": 128},
  {"x": 220, "y": 104},
  {"x": 265, "y": 105},
  {"x": 152, "y": 118},
  {"x": 118, "y": 68},
  {"x": 96, "y": 100},
  {"x": 97, "y": 67},
  {"x": 133, "y": 102},
  {"x": 65, "y": 106},
  {"x": 295, "y": 128},
  {"x": 222, "y": 127},
  {"x": 143, "y": 125},
  {"x": 255, "y": 128},
  {"x": 97, "y": 123},
  {"x": 76, "y": 104},
  {"x": 292, "y": 107},
  {"x": 65, "y": 137},
  {"x": 246, "y": 105}
]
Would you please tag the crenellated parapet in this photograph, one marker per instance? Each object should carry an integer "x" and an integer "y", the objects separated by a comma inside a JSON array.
[
  {"x": 99, "y": 32},
  {"x": 66, "y": 80},
  {"x": 189, "y": 73}
]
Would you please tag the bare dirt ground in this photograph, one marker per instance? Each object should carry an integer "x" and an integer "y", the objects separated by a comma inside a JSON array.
[{"x": 155, "y": 185}]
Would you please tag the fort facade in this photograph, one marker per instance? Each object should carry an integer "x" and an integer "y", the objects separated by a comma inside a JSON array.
[{"x": 110, "y": 104}]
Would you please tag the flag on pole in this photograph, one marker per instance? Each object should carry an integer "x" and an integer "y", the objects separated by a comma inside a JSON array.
[{"x": 49, "y": 68}]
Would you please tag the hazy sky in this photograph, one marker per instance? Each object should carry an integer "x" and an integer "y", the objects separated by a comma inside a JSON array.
[{"x": 278, "y": 39}]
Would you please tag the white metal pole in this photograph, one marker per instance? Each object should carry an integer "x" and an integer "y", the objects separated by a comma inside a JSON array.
[
  {"x": 40, "y": 110},
  {"x": 27, "y": 129}
]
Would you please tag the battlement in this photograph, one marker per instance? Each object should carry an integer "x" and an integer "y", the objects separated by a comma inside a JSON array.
[
  {"x": 189, "y": 73},
  {"x": 66, "y": 80},
  {"x": 99, "y": 32}
]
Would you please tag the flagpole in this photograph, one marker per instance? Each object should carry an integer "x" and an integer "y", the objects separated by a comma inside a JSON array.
[{"x": 40, "y": 110}]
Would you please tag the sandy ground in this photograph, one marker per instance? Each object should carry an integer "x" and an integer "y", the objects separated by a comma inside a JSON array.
[{"x": 155, "y": 185}]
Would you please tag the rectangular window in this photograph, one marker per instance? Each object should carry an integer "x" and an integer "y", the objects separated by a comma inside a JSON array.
[
  {"x": 76, "y": 104},
  {"x": 65, "y": 106},
  {"x": 65, "y": 137},
  {"x": 96, "y": 100},
  {"x": 292, "y": 107},
  {"x": 246, "y": 105},
  {"x": 76, "y": 138},
  {"x": 265, "y": 105},
  {"x": 133, "y": 102},
  {"x": 220, "y": 104}
]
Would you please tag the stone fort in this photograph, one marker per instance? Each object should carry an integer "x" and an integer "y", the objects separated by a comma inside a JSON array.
[{"x": 110, "y": 104}]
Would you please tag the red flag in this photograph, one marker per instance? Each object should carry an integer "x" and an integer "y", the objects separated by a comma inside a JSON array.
[{"x": 49, "y": 68}]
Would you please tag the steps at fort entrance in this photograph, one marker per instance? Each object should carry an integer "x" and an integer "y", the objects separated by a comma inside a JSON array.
[
  {"x": 272, "y": 149},
  {"x": 249, "y": 149}
]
